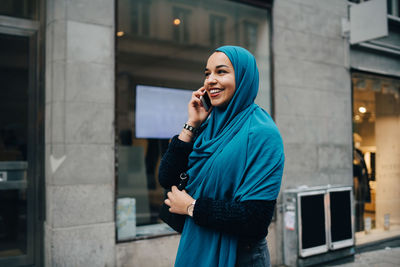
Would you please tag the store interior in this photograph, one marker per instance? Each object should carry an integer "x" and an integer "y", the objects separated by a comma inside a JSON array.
[{"x": 376, "y": 161}]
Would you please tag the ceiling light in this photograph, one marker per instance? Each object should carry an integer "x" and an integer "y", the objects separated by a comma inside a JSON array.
[
  {"x": 120, "y": 33},
  {"x": 362, "y": 109}
]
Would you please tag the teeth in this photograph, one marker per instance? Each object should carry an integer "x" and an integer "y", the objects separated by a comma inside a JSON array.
[{"x": 214, "y": 91}]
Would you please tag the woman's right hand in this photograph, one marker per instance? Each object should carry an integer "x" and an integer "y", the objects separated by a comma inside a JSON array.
[{"x": 196, "y": 111}]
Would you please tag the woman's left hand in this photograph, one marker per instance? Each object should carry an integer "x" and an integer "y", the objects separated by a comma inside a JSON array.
[{"x": 178, "y": 201}]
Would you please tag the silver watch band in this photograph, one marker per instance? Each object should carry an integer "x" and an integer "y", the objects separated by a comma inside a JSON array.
[{"x": 190, "y": 208}]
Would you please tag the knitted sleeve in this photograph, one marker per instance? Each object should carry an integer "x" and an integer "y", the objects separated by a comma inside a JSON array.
[
  {"x": 174, "y": 162},
  {"x": 248, "y": 219}
]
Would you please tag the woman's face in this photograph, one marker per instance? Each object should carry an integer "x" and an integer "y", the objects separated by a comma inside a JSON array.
[{"x": 219, "y": 79}]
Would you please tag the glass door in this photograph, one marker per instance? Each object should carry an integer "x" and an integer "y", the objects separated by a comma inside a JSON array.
[{"x": 18, "y": 145}]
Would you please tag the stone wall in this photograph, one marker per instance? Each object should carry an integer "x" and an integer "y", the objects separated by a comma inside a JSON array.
[
  {"x": 79, "y": 227},
  {"x": 312, "y": 96}
]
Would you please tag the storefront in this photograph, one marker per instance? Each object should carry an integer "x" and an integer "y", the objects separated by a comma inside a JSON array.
[
  {"x": 376, "y": 115},
  {"x": 375, "y": 78},
  {"x": 83, "y": 131}
]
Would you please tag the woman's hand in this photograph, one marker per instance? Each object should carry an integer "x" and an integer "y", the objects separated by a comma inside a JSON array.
[
  {"x": 196, "y": 111},
  {"x": 197, "y": 114},
  {"x": 178, "y": 201}
]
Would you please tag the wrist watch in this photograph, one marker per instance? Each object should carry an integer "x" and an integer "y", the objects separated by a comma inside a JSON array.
[{"x": 190, "y": 208}]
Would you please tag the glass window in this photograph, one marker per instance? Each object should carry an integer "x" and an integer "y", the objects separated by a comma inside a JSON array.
[
  {"x": 14, "y": 80},
  {"x": 393, "y": 7},
  {"x": 154, "y": 80},
  {"x": 27, "y": 9},
  {"x": 376, "y": 162}
]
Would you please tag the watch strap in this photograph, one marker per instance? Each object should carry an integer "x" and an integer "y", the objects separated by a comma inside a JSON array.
[
  {"x": 190, "y": 208},
  {"x": 190, "y": 128}
]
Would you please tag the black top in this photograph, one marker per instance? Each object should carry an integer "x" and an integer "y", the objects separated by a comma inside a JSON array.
[{"x": 249, "y": 220}]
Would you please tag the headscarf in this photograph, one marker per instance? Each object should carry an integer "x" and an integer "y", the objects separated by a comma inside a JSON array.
[{"x": 237, "y": 156}]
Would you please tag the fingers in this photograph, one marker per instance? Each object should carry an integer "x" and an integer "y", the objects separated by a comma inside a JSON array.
[
  {"x": 169, "y": 194},
  {"x": 167, "y": 202},
  {"x": 199, "y": 92}
]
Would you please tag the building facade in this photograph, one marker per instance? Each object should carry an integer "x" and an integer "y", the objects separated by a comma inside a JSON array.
[{"x": 77, "y": 152}]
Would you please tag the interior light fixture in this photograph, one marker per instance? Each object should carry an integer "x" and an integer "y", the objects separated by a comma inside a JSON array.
[
  {"x": 362, "y": 109},
  {"x": 120, "y": 33},
  {"x": 177, "y": 22}
]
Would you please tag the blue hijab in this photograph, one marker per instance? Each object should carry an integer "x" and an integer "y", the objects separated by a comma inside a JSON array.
[{"x": 238, "y": 156}]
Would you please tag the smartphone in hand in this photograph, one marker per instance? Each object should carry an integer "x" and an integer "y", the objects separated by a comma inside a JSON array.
[{"x": 205, "y": 99}]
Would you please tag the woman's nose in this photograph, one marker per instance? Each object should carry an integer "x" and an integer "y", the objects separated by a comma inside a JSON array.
[{"x": 211, "y": 79}]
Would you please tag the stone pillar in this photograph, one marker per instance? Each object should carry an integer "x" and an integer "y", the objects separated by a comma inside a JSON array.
[{"x": 79, "y": 227}]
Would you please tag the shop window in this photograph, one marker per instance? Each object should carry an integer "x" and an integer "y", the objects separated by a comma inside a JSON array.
[
  {"x": 376, "y": 165},
  {"x": 154, "y": 80},
  {"x": 217, "y": 30}
]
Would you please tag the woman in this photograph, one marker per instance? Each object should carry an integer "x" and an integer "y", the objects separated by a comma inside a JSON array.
[{"x": 234, "y": 157}]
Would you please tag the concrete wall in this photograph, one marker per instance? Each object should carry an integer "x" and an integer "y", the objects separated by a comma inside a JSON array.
[
  {"x": 79, "y": 227},
  {"x": 312, "y": 96}
]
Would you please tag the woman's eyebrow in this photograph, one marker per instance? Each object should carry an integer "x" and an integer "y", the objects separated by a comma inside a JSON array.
[
  {"x": 219, "y": 66},
  {"x": 222, "y": 66}
]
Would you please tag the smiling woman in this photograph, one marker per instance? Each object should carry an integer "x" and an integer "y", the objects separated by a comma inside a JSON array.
[{"x": 233, "y": 155}]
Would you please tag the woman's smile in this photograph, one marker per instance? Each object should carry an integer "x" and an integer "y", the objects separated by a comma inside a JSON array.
[{"x": 215, "y": 92}]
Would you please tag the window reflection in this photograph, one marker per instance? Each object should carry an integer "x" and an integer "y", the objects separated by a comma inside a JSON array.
[
  {"x": 250, "y": 35},
  {"x": 217, "y": 30},
  {"x": 140, "y": 18},
  {"x": 19, "y": 8},
  {"x": 181, "y": 24}
]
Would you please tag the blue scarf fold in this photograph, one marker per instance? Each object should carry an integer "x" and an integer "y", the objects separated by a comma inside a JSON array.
[{"x": 238, "y": 156}]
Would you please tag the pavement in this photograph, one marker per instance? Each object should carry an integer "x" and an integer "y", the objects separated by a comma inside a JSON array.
[{"x": 387, "y": 257}]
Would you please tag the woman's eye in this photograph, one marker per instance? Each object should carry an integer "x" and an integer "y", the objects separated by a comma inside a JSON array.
[
  {"x": 206, "y": 74},
  {"x": 222, "y": 71}
]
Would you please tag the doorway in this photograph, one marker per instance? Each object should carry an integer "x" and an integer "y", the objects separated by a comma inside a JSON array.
[{"x": 21, "y": 145}]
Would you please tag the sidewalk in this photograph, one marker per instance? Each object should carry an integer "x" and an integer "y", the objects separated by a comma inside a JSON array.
[{"x": 388, "y": 257}]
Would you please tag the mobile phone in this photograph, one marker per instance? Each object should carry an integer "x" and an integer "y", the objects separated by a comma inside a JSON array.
[{"x": 205, "y": 99}]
